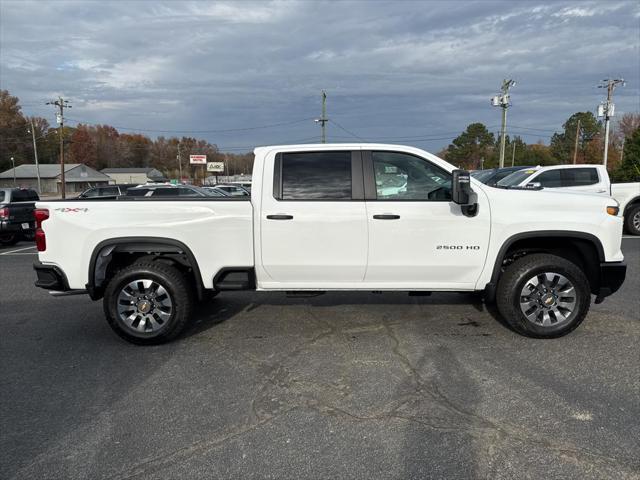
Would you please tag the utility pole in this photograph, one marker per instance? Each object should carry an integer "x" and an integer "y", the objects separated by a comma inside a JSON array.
[
  {"x": 35, "y": 154},
  {"x": 61, "y": 104},
  {"x": 323, "y": 119},
  {"x": 607, "y": 109},
  {"x": 179, "y": 164},
  {"x": 502, "y": 101},
  {"x": 13, "y": 162},
  {"x": 575, "y": 147}
]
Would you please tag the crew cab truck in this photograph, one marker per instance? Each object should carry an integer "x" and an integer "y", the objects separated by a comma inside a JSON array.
[
  {"x": 16, "y": 214},
  {"x": 583, "y": 178},
  {"x": 336, "y": 217}
]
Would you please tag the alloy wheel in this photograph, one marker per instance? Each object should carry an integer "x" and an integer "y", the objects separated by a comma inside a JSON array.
[
  {"x": 144, "y": 306},
  {"x": 548, "y": 299}
]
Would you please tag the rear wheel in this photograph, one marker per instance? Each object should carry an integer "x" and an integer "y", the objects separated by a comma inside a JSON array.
[
  {"x": 543, "y": 296},
  {"x": 632, "y": 220},
  {"x": 148, "y": 303},
  {"x": 9, "y": 239}
]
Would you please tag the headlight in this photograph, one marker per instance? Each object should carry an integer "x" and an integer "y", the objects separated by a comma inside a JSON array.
[{"x": 613, "y": 211}]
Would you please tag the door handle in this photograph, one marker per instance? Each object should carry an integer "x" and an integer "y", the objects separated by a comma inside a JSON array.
[
  {"x": 386, "y": 217},
  {"x": 279, "y": 217}
]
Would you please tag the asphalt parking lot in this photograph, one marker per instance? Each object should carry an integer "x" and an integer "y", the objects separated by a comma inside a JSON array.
[{"x": 346, "y": 385}]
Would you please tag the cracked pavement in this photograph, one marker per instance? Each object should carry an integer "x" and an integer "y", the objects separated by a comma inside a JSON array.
[{"x": 344, "y": 385}]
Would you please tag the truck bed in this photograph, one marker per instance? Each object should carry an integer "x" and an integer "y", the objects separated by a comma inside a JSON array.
[{"x": 217, "y": 230}]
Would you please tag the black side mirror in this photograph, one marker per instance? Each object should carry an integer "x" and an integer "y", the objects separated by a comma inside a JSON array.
[{"x": 462, "y": 194}]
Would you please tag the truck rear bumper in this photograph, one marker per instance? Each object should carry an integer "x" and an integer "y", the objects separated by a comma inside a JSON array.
[
  {"x": 612, "y": 275},
  {"x": 50, "y": 277},
  {"x": 16, "y": 227}
]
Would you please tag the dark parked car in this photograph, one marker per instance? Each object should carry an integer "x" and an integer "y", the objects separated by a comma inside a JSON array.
[
  {"x": 167, "y": 190},
  {"x": 105, "y": 191},
  {"x": 16, "y": 214},
  {"x": 492, "y": 176}
]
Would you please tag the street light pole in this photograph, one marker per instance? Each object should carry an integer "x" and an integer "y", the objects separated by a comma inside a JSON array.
[
  {"x": 606, "y": 110},
  {"x": 503, "y": 101}
]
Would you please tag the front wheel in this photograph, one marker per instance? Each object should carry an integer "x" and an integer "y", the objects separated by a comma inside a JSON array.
[
  {"x": 632, "y": 220},
  {"x": 543, "y": 296},
  {"x": 148, "y": 303}
]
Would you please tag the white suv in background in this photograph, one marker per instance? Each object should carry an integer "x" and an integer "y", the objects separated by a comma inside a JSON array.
[{"x": 583, "y": 178}]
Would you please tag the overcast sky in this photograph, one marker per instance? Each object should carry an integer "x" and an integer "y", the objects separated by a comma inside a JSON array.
[{"x": 392, "y": 69}]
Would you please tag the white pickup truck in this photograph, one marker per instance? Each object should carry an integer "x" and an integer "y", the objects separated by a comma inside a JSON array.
[
  {"x": 336, "y": 217},
  {"x": 583, "y": 178}
]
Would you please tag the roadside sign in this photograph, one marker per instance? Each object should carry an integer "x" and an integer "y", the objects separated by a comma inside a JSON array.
[
  {"x": 198, "y": 159},
  {"x": 173, "y": 181},
  {"x": 215, "y": 166}
]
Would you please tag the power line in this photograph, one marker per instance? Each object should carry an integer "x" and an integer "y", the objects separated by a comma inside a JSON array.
[
  {"x": 345, "y": 130},
  {"x": 243, "y": 129}
]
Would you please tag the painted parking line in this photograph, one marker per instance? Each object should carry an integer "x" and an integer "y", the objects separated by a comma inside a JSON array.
[
  {"x": 631, "y": 236},
  {"x": 19, "y": 250}
]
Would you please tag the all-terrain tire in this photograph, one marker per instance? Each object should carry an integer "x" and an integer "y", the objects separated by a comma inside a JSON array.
[
  {"x": 9, "y": 239},
  {"x": 632, "y": 220},
  {"x": 135, "y": 284},
  {"x": 519, "y": 274}
]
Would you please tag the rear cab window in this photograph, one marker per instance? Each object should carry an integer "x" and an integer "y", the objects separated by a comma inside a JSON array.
[
  {"x": 324, "y": 176},
  {"x": 24, "y": 196}
]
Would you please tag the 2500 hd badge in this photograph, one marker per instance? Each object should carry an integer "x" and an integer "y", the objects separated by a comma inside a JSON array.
[{"x": 457, "y": 247}]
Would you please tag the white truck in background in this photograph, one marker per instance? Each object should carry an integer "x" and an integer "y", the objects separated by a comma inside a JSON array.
[
  {"x": 336, "y": 217},
  {"x": 583, "y": 178}
]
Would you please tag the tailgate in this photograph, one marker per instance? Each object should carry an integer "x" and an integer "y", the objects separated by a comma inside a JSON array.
[{"x": 20, "y": 212}]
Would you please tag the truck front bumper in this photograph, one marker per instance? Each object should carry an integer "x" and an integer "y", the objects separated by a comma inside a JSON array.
[
  {"x": 612, "y": 275},
  {"x": 50, "y": 277}
]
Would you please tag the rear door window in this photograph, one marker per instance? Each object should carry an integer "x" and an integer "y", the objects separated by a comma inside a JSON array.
[
  {"x": 316, "y": 176},
  {"x": 578, "y": 177}
]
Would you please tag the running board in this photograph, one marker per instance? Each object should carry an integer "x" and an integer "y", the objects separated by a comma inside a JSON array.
[{"x": 68, "y": 293}]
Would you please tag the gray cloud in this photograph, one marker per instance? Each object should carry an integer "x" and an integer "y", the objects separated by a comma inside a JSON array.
[{"x": 391, "y": 69}]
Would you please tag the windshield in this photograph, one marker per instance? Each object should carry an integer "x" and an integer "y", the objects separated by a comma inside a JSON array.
[
  {"x": 482, "y": 175},
  {"x": 516, "y": 178}
]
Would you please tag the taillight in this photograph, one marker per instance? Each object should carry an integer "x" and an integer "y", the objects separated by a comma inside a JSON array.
[
  {"x": 41, "y": 215},
  {"x": 4, "y": 213}
]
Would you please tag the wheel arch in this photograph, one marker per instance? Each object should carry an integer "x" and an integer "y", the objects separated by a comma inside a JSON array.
[
  {"x": 161, "y": 249},
  {"x": 579, "y": 247},
  {"x": 635, "y": 201}
]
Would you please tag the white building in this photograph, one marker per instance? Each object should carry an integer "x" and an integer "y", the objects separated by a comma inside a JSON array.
[{"x": 134, "y": 175}]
